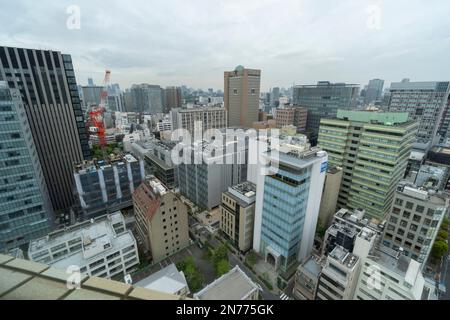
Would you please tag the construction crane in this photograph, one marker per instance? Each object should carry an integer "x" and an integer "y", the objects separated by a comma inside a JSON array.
[{"x": 96, "y": 114}]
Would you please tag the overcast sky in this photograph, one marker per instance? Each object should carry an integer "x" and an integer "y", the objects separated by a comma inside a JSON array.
[{"x": 192, "y": 42}]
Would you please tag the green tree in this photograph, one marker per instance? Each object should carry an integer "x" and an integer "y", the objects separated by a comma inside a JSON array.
[
  {"x": 193, "y": 277},
  {"x": 251, "y": 258},
  {"x": 442, "y": 235},
  {"x": 439, "y": 249},
  {"x": 222, "y": 267}
]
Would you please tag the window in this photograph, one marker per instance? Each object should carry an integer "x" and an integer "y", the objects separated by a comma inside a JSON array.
[
  {"x": 235, "y": 92},
  {"x": 409, "y": 205},
  {"x": 420, "y": 209}
]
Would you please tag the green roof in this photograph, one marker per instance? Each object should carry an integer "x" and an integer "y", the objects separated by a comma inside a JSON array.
[{"x": 385, "y": 118}]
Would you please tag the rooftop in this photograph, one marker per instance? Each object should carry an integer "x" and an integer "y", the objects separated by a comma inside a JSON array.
[
  {"x": 374, "y": 117},
  {"x": 234, "y": 285},
  {"x": 344, "y": 257},
  {"x": 27, "y": 280},
  {"x": 244, "y": 193},
  {"x": 111, "y": 160},
  {"x": 168, "y": 280}
]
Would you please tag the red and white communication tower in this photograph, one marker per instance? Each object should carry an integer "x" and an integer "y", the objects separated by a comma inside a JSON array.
[{"x": 96, "y": 113}]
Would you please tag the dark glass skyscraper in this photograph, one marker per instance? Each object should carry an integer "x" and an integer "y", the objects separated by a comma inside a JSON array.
[{"x": 48, "y": 88}]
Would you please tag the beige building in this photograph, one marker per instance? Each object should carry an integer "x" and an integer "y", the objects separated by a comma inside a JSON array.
[
  {"x": 238, "y": 213},
  {"x": 241, "y": 96},
  {"x": 209, "y": 117},
  {"x": 330, "y": 194},
  {"x": 269, "y": 124},
  {"x": 161, "y": 219},
  {"x": 292, "y": 116}
]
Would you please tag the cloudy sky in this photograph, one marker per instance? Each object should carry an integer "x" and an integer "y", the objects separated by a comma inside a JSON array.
[{"x": 192, "y": 42}]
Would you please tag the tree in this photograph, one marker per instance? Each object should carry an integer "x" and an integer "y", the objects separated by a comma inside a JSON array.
[
  {"x": 222, "y": 267},
  {"x": 193, "y": 277},
  {"x": 251, "y": 258},
  {"x": 442, "y": 235},
  {"x": 439, "y": 249}
]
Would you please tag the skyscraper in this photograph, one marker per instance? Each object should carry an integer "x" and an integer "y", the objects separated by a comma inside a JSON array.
[
  {"x": 373, "y": 149},
  {"x": 374, "y": 91},
  {"x": 424, "y": 101},
  {"x": 287, "y": 204},
  {"x": 25, "y": 208},
  {"x": 46, "y": 81},
  {"x": 147, "y": 98},
  {"x": 323, "y": 100},
  {"x": 241, "y": 96},
  {"x": 173, "y": 98}
]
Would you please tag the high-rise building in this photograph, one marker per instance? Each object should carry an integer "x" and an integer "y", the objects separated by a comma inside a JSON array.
[
  {"x": 415, "y": 218},
  {"x": 374, "y": 91},
  {"x": 25, "y": 208},
  {"x": 105, "y": 186},
  {"x": 47, "y": 84},
  {"x": 172, "y": 98},
  {"x": 159, "y": 161},
  {"x": 287, "y": 204},
  {"x": 238, "y": 214},
  {"x": 444, "y": 125},
  {"x": 323, "y": 100},
  {"x": 101, "y": 247},
  {"x": 425, "y": 103},
  {"x": 147, "y": 98},
  {"x": 241, "y": 96},
  {"x": 330, "y": 194},
  {"x": 91, "y": 82},
  {"x": 91, "y": 96},
  {"x": 296, "y": 116},
  {"x": 373, "y": 149},
  {"x": 275, "y": 97},
  {"x": 161, "y": 219},
  {"x": 210, "y": 117}
]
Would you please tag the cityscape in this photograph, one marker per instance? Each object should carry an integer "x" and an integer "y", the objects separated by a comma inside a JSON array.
[{"x": 232, "y": 181}]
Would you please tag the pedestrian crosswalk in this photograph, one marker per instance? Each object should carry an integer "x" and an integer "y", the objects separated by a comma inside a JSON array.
[{"x": 284, "y": 296}]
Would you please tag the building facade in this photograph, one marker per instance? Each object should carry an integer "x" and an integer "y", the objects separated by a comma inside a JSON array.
[
  {"x": 209, "y": 117},
  {"x": 238, "y": 214},
  {"x": 241, "y": 96},
  {"x": 373, "y": 150},
  {"x": 48, "y": 87},
  {"x": 374, "y": 91},
  {"x": 424, "y": 101},
  {"x": 330, "y": 194},
  {"x": 161, "y": 219},
  {"x": 323, "y": 100},
  {"x": 25, "y": 207},
  {"x": 172, "y": 98},
  {"x": 296, "y": 116},
  {"x": 159, "y": 162},
  {"x": 146, "y": 98},
  {"x": 101, "y": 247}
]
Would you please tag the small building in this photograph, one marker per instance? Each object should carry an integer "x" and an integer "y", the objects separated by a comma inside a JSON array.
[
  {"x": 307, "y": 279},
  {"x": 168, "y": 280},
  {"x": 101, "y": 247},
  {"x": 234, "y": 285}
]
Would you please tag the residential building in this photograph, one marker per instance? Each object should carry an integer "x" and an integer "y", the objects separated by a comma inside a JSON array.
[
  {"x": 159, "y": 162},
  {"x": 241, "y": 96},
  {"x": 48, "y": 87},
  {"x": 104, "y": 186},
  {"x": 424, "y": 102},
  {"x": 323, "y": 100},
  {"x": 287, "y": 203},
  {"x": 330, "y": 193},
  {"x": 168, "y": 280},
  {"x": 415, "y": 218},
  {"x": 209, "y": 117},
  {"x": 172, "y": 98},
  {"x": 233, "y": 285},
  {"x": 373, "y": 149},
  {"x": 374, "y": 91},
  {"x": 238, "y": 214},
  {"x": 291, "y": 116},
  {"x": 146, "y": 98},
  {"x": 339, "y": 276},
  {"x": 307, "y": 279},
  {"x": 161, "y": 219},
  {"x": 25, "y": 209},
  {"x": 101, "y": 247}
]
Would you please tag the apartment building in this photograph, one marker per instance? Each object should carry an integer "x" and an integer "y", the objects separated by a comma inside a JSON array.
[
  {"x": 101, "y": 247},
  {"x": 373, "y": 149},
  {"x": 238, "y": 214},
  {"x": 161, "y": 219}
]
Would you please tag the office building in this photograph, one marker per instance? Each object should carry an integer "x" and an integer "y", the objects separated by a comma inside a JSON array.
[
  {"x": 238, "y": 214},
  {"x": 444, "y": 125},
  {"x": 374, "y": 91},
  {"x": 233, "y": 285},
  {"x": 323, "y": 100},
  {"x": 25, "y": 207},
  {"x": 168, "y": 280},
  {"x": 287, "y": 203},
  {"x": 146, "y": 98},
  {"x": 295, "y": 116},
  {"x": 104, "y": 186},
  {"x": 339, "y": 276},
  {"x": 275, "y": 97},
  {"x": 91, "y": 96},
  {"x": 209, "y": 117},
  {"x": 307, "y": 279},
  {"x": 172, "y": 98},
  {"x": 415, "y": 218},
  {"x": 373, "y": 150},
  {"x": 330, "y": 193},
  {"x": 48, "y": 87},
  {"x": 241, "y": 96},
  {"x": 424, "y": 102},
  {"x": 101, "y": 247},
  {"x": 161, "y": 219},
  {"x": 159, "y": 162}
]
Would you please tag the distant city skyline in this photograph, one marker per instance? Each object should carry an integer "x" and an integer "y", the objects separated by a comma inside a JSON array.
[{"x": 302, "y": 42}]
